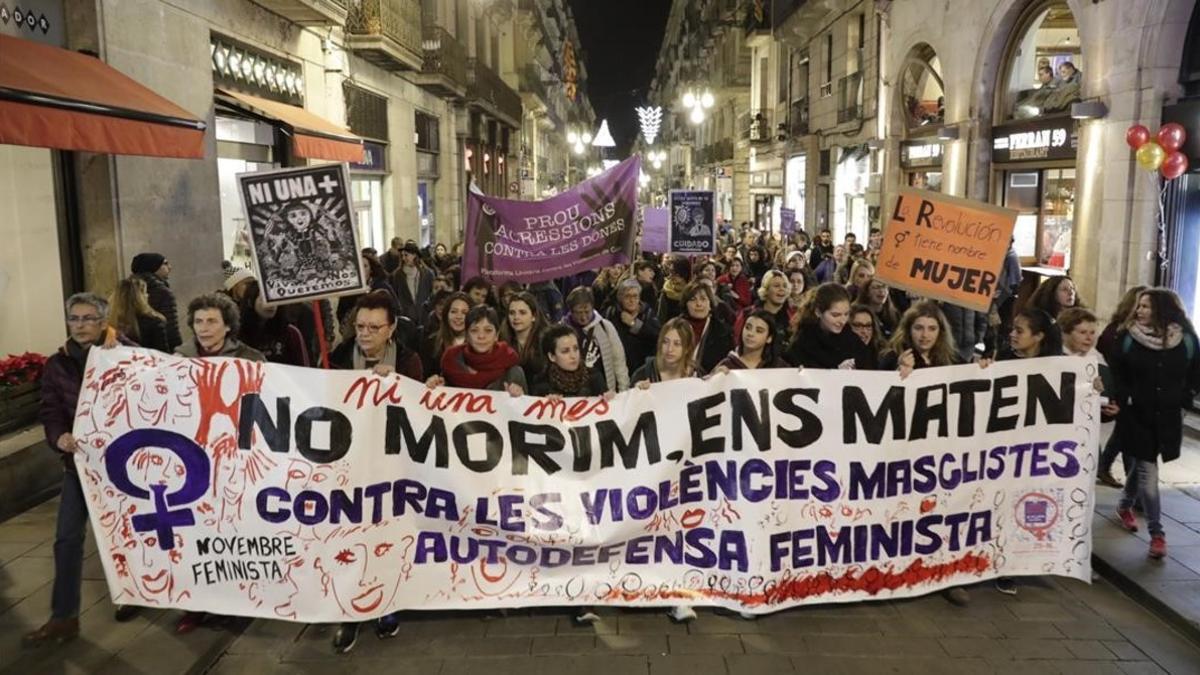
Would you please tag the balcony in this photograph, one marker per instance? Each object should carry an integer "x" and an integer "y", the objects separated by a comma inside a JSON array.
[
  {"x": 444, "y": 70},
  {"x": 487, "y": 91},
  {"x": 798, "y": 118},
  {"x": 387, "y": 33},
  {"x": 534, "y": 91},
  {"x": 755, "y": 126},
  {"x": 850, "y": 97},
  {"x": 309, "y": 12}
]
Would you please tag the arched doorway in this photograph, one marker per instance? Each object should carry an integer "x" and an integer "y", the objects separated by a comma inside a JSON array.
[
  {"x": 921, "y": 110},
  {"x": 1034, "y": 140}
]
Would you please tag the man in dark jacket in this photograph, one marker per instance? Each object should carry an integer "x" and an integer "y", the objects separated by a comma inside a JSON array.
[
  {"x": 154, "y": 269},
  {"x": 413, "y": 283},
  {"x": 636, "y": 324},
  {"x": 391, "y": 258},
  {"x": 87, "y": 324}
]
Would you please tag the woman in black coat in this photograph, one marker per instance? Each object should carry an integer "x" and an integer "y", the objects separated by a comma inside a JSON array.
[
  {"x": 714, "y": 335},
  {"x": 824, "y": 338},
  {"x": 1156, "y": 365}
]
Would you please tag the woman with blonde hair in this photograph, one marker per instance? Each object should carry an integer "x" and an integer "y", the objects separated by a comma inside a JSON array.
[{"x": 132, "y": 315}]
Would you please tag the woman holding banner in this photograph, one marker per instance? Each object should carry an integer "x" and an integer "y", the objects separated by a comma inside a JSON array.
[
  {"x": 483, "y": 361},
  {"x": 674, "y": 360},
  {"x": 450, "y": 331},
  {"x": 923, "y": 340},
  {"x": 822, "y": 339},
  {"x": 1157, "y": 369},
  {"x": 758, "y": 345},
  {"x": 523, "y": 331}
]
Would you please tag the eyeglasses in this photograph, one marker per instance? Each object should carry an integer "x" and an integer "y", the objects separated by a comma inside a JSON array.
[
  {"x": 82, "y": 320},
  {"x": 862, "y": 325},
  {"x": 370, "y": 328}
]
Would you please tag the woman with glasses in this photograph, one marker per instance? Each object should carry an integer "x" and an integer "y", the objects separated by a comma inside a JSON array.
[
  {"x": 865, "y": 325},
  {"x": 376, "y": 344}
]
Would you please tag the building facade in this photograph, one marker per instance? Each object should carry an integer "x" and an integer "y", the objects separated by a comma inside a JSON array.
[
  {"x": 432, "y": 89},
  {"x": 849, "y": 100}
]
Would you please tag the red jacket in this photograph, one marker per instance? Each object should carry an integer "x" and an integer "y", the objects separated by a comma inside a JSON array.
[{"x": 741, "y": 289}]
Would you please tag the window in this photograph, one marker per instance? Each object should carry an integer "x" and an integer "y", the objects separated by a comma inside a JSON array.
[
  {"x": 828, "y": 62},
  {"x": 1044, "y": 68},
  {"x": 366, "y": 113},
  {"x": 922, "y": 98},
  {"x": 783, "y": 75},
  {"x": 1045, "y": 204},
  {"x": 428, "y": 138}
]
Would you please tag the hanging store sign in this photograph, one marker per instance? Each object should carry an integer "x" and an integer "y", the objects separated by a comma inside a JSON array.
[
  {"x": 374, "y": 159},
  {"x": 1055, "y": 138},
  {"x": 914, "y": 154}
]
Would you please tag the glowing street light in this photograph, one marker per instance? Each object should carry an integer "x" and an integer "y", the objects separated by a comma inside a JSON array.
[{"x": 698, "y": 103}]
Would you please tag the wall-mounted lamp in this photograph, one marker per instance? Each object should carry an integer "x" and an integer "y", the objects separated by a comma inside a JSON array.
[
  {"x": 948, "y": 134},
  {"x": 1088, "y": 110}
]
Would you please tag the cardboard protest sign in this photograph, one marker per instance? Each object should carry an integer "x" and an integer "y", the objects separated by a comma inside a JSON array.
[
  {"x": 590, "y": 226},
  {"x": 302, "y": 236},
  {"x": 266, "y": 490},
  {"x": 944, "y": 247},
  {"x": 693, "y": 230}
]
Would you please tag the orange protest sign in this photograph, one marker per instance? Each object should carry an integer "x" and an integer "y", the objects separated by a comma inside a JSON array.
[{"x": 945, "y": 248}]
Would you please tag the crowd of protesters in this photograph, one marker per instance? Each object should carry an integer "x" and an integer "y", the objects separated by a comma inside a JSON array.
[{"x": 761, "y": 302}]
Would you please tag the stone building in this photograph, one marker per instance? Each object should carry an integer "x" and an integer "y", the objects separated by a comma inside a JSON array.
[{"x": 420, "y": 96}]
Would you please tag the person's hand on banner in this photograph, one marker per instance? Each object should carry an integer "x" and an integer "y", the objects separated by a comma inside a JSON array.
[
  {"x": 984, "y": 362},
  {"x": 719, "y": 370},
  {"x": 848, "y": 364},
  {"x": 908, "y": 362},
  {"x": 383, "y": 369},
  {"x": 609, "y": 395},
  {"x": 553, "y": 397},
  {"x": 515, "y": 389},
  {"x": 1110, "y": 408},
  {"x": 435, "y": 381},
  {"x": 643, "y": 385},
  {"x": 67, "y": 443}
]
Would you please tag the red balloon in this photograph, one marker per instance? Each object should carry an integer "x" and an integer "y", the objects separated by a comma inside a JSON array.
[
  {"x": 1136, "y": 136},
  {"x": 1174, "y": 166},
  {"x": 1171, "y": 137}
]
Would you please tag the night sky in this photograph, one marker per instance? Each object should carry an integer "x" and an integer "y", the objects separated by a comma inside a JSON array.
[{"x": 620, "y": 41}]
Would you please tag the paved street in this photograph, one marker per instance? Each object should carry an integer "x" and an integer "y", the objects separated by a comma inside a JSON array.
[{"x": 1052, "y": 626}]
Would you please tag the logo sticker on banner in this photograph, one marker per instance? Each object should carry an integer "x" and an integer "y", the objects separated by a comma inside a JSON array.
[
  {"x": 266, "y": 490},
  {"x": 587, "y": 227},
  {"x": 302, "y": 234},
  {"x": 944, "y": 247},
  {"x": 692, "y": 227}
]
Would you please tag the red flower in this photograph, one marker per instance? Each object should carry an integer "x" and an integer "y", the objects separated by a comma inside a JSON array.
[{"x": 20, "y": 369}]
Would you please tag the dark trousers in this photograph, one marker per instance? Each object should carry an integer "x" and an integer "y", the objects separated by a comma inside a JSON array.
[{"x": 68, "y": 549}]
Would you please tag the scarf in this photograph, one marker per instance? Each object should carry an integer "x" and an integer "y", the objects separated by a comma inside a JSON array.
[
  {"x": 465, "y": 367},
  {"x": 361, "y": 362},
  {"x": 1155, "y": 341},
  {"x": 674, "y": 290},
  {"x": 698, "y": 328},
  {"x": 570, "y": 383}
]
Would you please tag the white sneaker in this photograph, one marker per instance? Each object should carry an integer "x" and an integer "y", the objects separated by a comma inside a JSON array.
[{"x": 682, "y": 614}]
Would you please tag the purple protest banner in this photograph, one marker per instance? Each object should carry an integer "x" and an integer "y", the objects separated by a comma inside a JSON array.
[
  {"x": 654, "y": 230},
  {"x": 787, "y": 222},
  {"x": 590, "y": 226}
]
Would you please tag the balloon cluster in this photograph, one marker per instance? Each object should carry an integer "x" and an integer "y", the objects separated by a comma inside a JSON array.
[{"x": 1162, "y": 154}]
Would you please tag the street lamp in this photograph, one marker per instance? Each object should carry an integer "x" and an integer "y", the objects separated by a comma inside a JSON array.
[
  {"x": 698, "y": 102},
  {"x": 656, "y": 158}
]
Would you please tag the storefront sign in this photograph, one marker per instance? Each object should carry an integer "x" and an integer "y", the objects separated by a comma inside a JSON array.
[
  {"x": 1054, "y": 138},
  {"x": 374, "y": 159},
  {"x": 944, "y": 247},
  {"x": 318, "y": 496},
  {"x": 587, "y": 227},
  {"x": 692, "y": 230},
  {"x": 37, "y": 20},
  {"x": 915, "y": 154},
  {"x": 303, "y": 239}
]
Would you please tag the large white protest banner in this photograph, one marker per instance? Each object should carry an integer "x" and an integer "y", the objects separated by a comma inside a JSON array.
[{"x": 274, "y": 491}]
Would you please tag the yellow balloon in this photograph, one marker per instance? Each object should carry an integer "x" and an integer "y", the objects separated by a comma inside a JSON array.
[{"x": 1150, "y": 156}]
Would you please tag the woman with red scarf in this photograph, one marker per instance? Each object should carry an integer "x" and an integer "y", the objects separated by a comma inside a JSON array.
[
  {"x": 483, "y": 361},
  {"x": 738, "y": 281}
]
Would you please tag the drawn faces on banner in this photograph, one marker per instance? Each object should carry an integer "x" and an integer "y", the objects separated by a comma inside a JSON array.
[{"x": 362, "y": 568}]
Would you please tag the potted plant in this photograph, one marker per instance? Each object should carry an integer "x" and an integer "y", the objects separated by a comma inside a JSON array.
[{"x": 20, "y": 390}]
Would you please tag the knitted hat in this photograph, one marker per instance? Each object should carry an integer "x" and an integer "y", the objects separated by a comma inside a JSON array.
[
  {"x": 238, "y": 276},
  {"x": 147, "y": 263}
]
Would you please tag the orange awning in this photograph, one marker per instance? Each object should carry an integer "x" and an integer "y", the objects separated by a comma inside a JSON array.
[
  {"x": 54, "y": 98},
  {"x": 313, "y": 136}
]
